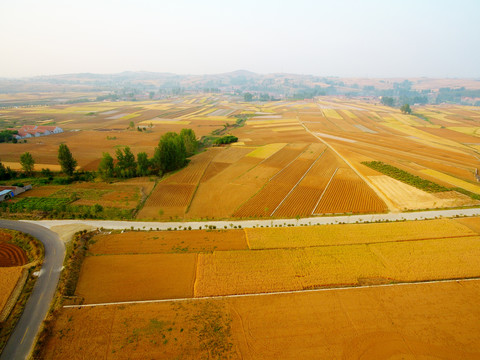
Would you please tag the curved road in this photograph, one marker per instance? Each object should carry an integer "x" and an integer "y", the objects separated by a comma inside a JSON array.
[{"x": 21, "y": 340}]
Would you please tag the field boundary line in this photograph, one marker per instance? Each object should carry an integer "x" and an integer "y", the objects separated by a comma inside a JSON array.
[
  {"x": 353, "y": 244},
  {"x": 298, "y": 182},
  {"x": 261, "y": 162},
  {"x": 324, "y": 191},
  {"x": 187, "y": 208},
  {"x": 381, "y": 195},
  {"x": 278, "y": 292},
  {"x": 286, "y": 166}
]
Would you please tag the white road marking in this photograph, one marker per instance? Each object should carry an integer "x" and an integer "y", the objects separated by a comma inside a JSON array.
[{"x": 274, "y": 293}]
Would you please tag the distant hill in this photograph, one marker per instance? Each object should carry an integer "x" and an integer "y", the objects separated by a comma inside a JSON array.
[{"x": 135, "y": 84}]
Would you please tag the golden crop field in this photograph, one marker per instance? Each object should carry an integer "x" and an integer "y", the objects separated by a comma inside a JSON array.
[
  {"x": 276, "y": 270},
  {"x": 345, "y": 234}
]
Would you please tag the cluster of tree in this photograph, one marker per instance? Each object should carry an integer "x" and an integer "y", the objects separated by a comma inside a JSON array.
[
  {"x": 171, "y": 154},
  {"x": 7, "y": 136},
  {"x": 227, "y": 139},
  {"x": 405, "y": 109},
  {"x": 457, "y": 96},
  {"x": 388, "y": 101}
]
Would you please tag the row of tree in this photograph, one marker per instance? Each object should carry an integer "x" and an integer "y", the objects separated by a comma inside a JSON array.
[
  {"x": 171, "y": 154},
  {"x": 65, "y": 159}
]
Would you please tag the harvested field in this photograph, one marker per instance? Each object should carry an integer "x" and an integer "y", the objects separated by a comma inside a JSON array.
[
  {"x": 12, "y": 255},
  {"x": 346, "y": 234},
  {"x": 112, "y": 278},
  {"x": 224, "y": 191},
  {"x": 472, "y": 223},
  {"x": 231, "y": 154},
  {"x": 167, "y": 195},
  {"x": 348, "y": 193},
  {"x": 303, "y": 199},
  {"x": 214, "y": 168},
  {"x": 407, "y": 197},
  {"x": 266, "y": 201},
  {"x": 9, "y": 277},
  {"x": 158, "y": 242},
  {"x": 427, "y": 320},
  {"x": 248, "y": 272},
  {"x": 172, "y": 196},
  {"x": 195, "y": 169}
]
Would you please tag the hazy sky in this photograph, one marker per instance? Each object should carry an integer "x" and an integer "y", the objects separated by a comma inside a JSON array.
[{"x": 375, "y": 38}]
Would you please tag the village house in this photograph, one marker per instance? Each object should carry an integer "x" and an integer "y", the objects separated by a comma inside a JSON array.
[{"x": 28, "y": 131}]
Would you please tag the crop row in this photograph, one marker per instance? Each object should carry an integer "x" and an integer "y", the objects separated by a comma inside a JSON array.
[{"x": 349, "y": 195}]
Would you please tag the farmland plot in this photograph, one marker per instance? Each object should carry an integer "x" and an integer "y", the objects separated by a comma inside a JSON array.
[
  {"x": 348, "y": 193},
  {"x": 266, "y": 201},
  {"x": 172, "y": 196},
  {"x": 274, "y": 270},
  {"x": 112, "y": 278}
]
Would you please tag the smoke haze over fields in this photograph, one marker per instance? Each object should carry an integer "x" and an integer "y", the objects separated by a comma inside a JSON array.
[{"x": 371, "y": 38}]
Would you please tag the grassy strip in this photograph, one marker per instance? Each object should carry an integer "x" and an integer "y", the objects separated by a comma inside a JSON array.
[
  {"x": 405, "y": 177},
  {"x": 468, "y": 193},
  {"x": 35, "y": 252}
]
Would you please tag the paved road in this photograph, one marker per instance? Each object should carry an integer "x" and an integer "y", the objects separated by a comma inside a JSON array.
[
  {"x": 20, "y": 343},
  {"x": 320, "y": 220}
]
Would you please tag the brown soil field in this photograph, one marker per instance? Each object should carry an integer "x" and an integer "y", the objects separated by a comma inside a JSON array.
[
  {"x": 274, "y": 270},
  {"x": 12, "y": 255},
  {"x": 425, "y": 321},
  {"x": 360, "y": 199},
  {"x": 157, "y": 242},
  {"x": 112, "y": 278},
  {"x": 9, "y": 277}
]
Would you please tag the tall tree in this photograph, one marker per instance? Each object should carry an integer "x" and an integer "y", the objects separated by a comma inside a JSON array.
[
  {"x": 6, "y": 173},
  {"x": 143, "y": 164},
  {"x": 170, "y": 153},
  {"x": 126, "y": 165},
  {"x": 27, "y": 162},
  {"x": 247, "y": 97},
  {"x": 406, "y": 109},
  {"x": 66, "y": 160},
  {"x": 105, "y": 168},
  {"x": 190, "y": 141}
]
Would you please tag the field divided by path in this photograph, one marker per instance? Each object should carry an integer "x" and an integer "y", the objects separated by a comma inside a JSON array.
[
  {"x": 204, "y": 263},
  {"x": 437, "y": 320}
]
